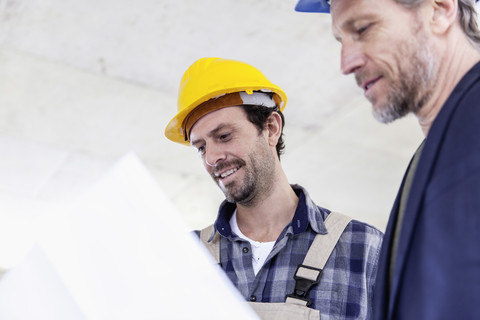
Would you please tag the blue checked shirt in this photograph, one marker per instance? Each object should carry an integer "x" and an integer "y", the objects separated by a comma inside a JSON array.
[{"x": 346, "y": 284}]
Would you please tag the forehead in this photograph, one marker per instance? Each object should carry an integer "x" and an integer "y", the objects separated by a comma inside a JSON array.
[
  {"x": 344, "y": 13},
  {"x": 223, "y": 116}
]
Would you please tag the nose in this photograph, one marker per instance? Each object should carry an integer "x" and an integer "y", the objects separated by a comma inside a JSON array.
[
  {"x": 352, "y": 58},
  {"x": 213, "y": 155}
]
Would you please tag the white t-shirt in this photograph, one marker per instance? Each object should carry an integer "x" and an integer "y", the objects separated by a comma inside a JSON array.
[{"x": 260, "y": 250}]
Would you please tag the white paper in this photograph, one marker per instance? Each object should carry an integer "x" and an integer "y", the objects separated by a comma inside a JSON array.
[
  {"x": 33, "y": 290},
  {"x": 123, "y": 252}
]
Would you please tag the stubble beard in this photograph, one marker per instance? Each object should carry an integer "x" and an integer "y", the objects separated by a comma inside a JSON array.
[
  {"x": 257, "y": 182},
  {"x": 413, "y": 89}
]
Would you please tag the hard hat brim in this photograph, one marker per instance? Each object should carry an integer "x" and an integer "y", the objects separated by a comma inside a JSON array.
[
  {"x": 174, "y": 129},
  {"x": 322, "y": 6}
]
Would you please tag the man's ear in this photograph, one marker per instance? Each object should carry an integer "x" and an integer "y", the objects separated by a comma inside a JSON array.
[
  {"x": 445, "y": 14},
  {"x": 274, "y": 128}
]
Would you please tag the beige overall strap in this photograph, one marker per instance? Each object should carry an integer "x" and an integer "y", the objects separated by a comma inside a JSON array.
[
  {"x": 310, "y": 271},
  {"x": 324, "y": 244},
  {"x": 212, "y": 246},
  {"x": 284, "y": 311}
]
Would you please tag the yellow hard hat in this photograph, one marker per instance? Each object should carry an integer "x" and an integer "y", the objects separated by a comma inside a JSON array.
[{"x": 209, "y": 78}]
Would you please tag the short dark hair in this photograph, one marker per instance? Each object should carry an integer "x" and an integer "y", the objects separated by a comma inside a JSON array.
[{"x": 258, "y": 115}]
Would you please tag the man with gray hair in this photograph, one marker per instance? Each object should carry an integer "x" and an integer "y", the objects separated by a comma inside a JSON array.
[{"x": 422, "y": 57}]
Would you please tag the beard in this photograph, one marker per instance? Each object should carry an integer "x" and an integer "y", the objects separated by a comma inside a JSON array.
[
  {"x": 412, "y": 89},
  {"x": 259, "y": 173}
]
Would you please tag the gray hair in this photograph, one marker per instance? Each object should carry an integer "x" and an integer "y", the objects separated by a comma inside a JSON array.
[{"x": 467, "y": 18}]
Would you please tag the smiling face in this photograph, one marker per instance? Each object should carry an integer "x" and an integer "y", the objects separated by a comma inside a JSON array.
[
  {"x": 386, "y": 47},
  {"x": 235, "y": 154}
]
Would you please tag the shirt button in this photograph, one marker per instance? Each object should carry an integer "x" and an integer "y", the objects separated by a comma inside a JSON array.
[
  {"x": 253, "y": 298},
  {"x": 245, "y": 250}
]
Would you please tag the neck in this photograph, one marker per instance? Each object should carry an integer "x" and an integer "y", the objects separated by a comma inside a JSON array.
[
  {"x": 266, "y": 219},
  {"x": 457, "y": 58}
]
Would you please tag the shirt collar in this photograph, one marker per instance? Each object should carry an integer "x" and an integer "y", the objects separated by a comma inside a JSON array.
[{"x": 307, "y": 213}]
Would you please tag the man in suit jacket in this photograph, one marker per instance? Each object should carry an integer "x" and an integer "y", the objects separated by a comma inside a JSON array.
[{"x": 422, "y": 57}]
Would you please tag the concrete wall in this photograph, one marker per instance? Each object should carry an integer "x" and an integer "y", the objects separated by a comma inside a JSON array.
[{"x": 84, "y": 82}]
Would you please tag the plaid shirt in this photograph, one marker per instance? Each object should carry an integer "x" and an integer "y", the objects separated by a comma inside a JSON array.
[{"x": 346, "y": 284}]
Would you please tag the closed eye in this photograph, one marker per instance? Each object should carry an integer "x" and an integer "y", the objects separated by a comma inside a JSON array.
[
  {"x": 224, "y": 137},
  {"x": 200, "y": 149},
  {"x": 362, "y": 29}
]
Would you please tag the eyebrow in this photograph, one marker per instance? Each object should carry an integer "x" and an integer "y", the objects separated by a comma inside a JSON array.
[{"x": 215, "y": 131}]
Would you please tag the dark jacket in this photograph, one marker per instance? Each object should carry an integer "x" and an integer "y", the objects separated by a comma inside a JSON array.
[{"x": 437, "y": 268}]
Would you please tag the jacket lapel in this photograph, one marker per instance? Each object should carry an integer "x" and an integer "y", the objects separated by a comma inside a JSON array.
[
  {"x": 420, "y": 182},
  {"x": 382, "y": 290}
]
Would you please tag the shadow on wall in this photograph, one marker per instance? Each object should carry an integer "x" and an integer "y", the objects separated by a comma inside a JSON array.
[{"x": 2, "y": 272}]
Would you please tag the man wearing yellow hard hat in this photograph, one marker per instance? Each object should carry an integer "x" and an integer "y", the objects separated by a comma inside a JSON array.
[{"x": 288, "y": 257}]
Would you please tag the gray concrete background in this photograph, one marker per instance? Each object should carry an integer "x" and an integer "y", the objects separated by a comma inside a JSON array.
[{"x": 84, "y": 82}]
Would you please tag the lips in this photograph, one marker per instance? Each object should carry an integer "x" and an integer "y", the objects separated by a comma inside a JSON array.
[
  {"x": 226, "y": 173},
  {"x": 226, "y": 169},
  {"x": 369, "y": 83}
]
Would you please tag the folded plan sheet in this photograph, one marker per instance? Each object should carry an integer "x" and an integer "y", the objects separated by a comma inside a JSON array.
[{"x": 120, "y": 251}]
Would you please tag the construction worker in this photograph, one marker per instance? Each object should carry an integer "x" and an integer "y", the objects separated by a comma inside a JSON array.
[
  {"x": 423, "y": 57},
  {"x": 288, "y": 257}
]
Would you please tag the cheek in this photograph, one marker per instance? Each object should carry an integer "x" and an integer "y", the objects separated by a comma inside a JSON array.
[
  {"x": 386, "y": 62},
  {"x": 389, "y": 59}
]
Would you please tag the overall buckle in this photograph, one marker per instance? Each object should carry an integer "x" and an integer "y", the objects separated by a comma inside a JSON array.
[{"x": 303, "y": 285}]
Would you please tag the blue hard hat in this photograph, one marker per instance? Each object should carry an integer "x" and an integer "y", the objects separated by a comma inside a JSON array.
[
  {"x": 313, "y": 6},
  {"x": 316, "y": 6}
]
